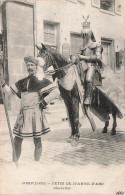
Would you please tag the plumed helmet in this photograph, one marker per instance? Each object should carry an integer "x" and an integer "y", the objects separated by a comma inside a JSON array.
[{"x": 86, "y": 31}]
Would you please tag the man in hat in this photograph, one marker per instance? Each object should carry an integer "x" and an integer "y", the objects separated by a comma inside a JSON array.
[
  {"x": 35, "y": 94},
  {"x": 90, "y": 61}
]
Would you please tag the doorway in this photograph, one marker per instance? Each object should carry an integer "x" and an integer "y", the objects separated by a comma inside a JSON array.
[
  {"x": 75, "y": 43},
  {"x": 108, "y": 55}
]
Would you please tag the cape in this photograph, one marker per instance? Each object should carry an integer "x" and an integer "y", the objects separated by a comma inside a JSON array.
[
  {"x": 34, "y": 84},
  {"x": 105, "y": 97}
]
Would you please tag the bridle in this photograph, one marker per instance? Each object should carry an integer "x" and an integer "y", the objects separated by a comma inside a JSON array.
[
  {"x": 57, "y": 69},
  {"x": 45, "y": 54}
]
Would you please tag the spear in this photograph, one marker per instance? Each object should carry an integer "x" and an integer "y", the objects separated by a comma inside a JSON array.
[{"x": 8, "y": 121}]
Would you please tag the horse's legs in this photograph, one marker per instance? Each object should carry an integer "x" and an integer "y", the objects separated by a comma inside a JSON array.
[
  {"x": 89, "y": 116},
  {"x": 73, "y": 112},
  {"x": 105, "y": 127},
  {"x": 114, "y": 123},
  {"x": 75, "y": 115},
  {"x": 70, "y": 115}
]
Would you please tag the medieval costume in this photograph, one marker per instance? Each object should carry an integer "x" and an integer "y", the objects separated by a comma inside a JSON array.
[
  {"x": 90, "y": 61},
  {"x": 99, "y": 99},
  {"x": 35, "y": 94}
]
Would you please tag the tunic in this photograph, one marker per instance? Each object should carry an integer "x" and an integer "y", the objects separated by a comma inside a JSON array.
[{"x": 31, "y": 121}]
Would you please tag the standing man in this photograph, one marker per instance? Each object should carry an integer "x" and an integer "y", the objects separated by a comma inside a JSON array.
[
  {"x": 90, "y": 61},
  {"x": 35, "y": 94}
]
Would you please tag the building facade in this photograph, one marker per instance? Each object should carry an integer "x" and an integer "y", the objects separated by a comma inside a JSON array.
[{"x": 58, "y": 24}]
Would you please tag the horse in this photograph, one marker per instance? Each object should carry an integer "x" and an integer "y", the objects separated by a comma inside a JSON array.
[{"x": 71, "y": 92}]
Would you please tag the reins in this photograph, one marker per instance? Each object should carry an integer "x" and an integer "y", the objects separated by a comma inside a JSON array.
[{"x": 53, "y": 71}]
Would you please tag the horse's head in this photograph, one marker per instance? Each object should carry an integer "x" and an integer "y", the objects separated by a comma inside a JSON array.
[
  {"x": 42, "y": 50},
  {"x": 52, "y": 58},
  {"x": 46, "y": 55}
]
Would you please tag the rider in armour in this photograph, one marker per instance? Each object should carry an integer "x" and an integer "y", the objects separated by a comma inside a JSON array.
[{"x": 90, "y": 61}]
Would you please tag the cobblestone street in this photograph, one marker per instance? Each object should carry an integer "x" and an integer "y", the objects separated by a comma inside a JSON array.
[
  {"x": 98, "y": 148},
  {"x": 94, "y": 159},
  {"x": 94, "y": 147}
]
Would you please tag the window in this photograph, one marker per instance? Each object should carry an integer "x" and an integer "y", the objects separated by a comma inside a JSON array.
[
  {"x": 107, "y": 5},
  {"x": 49, "y": 33},
  {"x": 110, "y": 6}
]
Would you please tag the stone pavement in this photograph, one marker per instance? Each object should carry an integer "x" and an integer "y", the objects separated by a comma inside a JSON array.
[
  {"x": 97, "y": 148},
  {"x": 93, "y": 148},
  {"x": 99, "y": 159},
  {"x": 102, "y": 149}
]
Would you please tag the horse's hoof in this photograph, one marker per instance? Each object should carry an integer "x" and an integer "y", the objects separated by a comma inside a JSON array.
[
  {"x": 113, "y": 132},
  {"x": 76, "y": 137},
  {"x": 104, "y": 130},
  {"x": 70, "y": 139}
]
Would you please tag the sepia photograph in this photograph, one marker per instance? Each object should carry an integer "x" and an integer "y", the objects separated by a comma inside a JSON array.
[{"x": 62, "y": 97}]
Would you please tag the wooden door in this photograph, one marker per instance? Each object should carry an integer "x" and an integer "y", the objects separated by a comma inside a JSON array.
[
  {"x": 75, "y": 43},
  {"x": 108, "y": 55}
]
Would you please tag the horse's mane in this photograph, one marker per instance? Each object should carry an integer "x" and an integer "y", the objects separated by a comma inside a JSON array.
[{"x": 58, "y": 57}]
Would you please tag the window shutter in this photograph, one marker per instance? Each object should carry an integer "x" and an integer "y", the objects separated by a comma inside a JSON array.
[
  {"x": 49, "y": 33},
  {"x": 118, "y": 7},
  {"x": 96, "y": 3}
]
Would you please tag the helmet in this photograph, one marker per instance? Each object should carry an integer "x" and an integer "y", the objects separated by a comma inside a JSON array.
[{"x": 86, "y": 31}]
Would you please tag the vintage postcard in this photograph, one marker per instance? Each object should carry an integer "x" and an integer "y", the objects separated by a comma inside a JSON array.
[{"x": 62, "y": 97}]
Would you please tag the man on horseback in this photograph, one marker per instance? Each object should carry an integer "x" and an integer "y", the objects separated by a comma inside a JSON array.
[
  {"x": 90, "y": 61},
  {"x": 71, "y": 88}
]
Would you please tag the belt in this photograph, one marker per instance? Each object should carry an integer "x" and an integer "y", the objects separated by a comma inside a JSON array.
[{"x": 30, "y": 107}]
